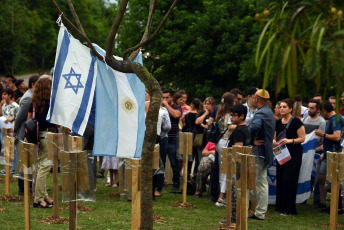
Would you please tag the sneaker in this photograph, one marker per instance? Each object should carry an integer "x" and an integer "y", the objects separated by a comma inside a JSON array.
[
  {"x": 254, "y": 217},
  {"x": 221, "y": 202},
  {"x": 233, "y": 220},
  {"x": 3, "y": 172},
  {"x": 319, "y": 206}
]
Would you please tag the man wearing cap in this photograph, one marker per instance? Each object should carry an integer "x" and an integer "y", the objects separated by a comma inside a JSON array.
[
  {"x": 250, "y": 104},
  {"x": 262, "y": 130}
]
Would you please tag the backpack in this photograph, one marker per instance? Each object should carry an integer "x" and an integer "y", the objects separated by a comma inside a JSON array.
[
  {"x": 213, "y": 132},
  {"x": 31, "y": 130}
]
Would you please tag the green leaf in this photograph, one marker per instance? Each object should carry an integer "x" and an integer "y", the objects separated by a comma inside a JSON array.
[
  {"x": 266, "y": 48},
  {"x": 261, "y": 39}
]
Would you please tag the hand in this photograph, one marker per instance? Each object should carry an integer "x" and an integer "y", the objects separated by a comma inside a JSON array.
[
  {"x": 322, "y": 157},
  {"x": 286, "y": 141},
  {"x": 274, "y": 142},
  {"x": 164, "y": 103},
  {"x": 258, "y": 142},
  {"x": 7, "y": 120},
  {"x": 319, "y": 133}
]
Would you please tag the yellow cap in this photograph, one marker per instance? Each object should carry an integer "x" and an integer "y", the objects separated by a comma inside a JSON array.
[{"x": 263, "y": 93}]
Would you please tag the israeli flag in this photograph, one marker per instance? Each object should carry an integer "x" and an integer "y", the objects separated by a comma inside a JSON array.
[
  {"x": 120, "y": 112},
  {"x": 73, "y": 83},
  {"x": 304, "y": 184}
]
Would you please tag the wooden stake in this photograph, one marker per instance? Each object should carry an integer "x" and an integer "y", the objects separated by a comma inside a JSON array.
[
  {"x": 251, "y": 183},
  {"x": 226, "y": 155},
  {"x": 55, "y": 144},
  {"x": 244, "y": 192},
  {"x": 168, "y": 171},
  {"x": 136, "y": 195},
  {"x": 333, "y": 165},
  {"x": 120, "y": 178},
  {"x": 185, "y": 148},
  {"x": 24, "y": 152},
  {"x": 156, "y": 157},
  {"x": 7, "y": 150},
  {"x": 128, "y": 177},
  {"x": 74, "y": 145}
]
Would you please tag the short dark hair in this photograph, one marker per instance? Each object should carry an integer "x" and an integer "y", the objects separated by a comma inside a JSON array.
[
  {"x": 182, "y": 91},
  {"x": 176, "y": 96},
  {"x": 18, "y": 82},
  {"x": 33, "y": 79},
  {"x": 9, "y": 92},
  {"x": 236, "y": 91},
  {"x": 328, "y": 107},
  {"x": 168, "y": 91},
  {"x": 317, "y": 103},
  {"x": 317, "y": 95},
  {"x": 332, "y": 97},
  {"x": 240, "y": 109},
  {"x": 9, "y": 76}
]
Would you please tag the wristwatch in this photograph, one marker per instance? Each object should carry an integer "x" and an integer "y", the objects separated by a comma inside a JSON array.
[{"x": 324, "y": 135}]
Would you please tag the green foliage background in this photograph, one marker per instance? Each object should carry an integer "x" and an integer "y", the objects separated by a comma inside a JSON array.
[{"x": 206, "y": 47}]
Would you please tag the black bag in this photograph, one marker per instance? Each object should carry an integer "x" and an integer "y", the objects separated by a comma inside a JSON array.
[
  {"x": 213, "y": 132},
  {"x": 31, "y": 130}
]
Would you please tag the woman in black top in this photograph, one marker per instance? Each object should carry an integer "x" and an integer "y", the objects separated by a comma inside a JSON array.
[
  {"x": 40, "y": 106},
  {"x": 291, "y": 132}
]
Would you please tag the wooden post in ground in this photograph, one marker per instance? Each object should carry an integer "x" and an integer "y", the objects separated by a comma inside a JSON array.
[
  {"x": 74, "y": 146},
  {"x": 185, "y": 149},
  {"x": 128, "y": 178},
  {"x": 55, "y": 144},
  {"x": 168, "y": 171},
  {"x": 251, "y": 180},
  {"x": 120, "y": 177},
  {"x": 25, "y": 151},
  {"x": 9, "y": 155},
  {"x": 136, "y": 194},
  {"x": 156, "y": 157},
  {"x": 226, "y": 162},
  {"x": 236, "y": 170},
  {"x": 244, "y": 192},
  {"x": 332, "y": 175}
]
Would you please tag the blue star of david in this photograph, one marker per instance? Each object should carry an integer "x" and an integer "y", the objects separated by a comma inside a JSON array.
[{"x": 69, "y": 84}]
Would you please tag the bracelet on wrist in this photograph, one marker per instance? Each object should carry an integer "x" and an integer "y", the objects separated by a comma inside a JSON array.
[
  {"x": 324, "y": 135},
  {"x": 293, "y": 141}
]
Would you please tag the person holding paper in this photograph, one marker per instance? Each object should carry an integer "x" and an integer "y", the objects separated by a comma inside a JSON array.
[{"x": 290, "y": 132}]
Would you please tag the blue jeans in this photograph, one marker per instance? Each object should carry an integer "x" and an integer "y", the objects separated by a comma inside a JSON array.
[
  {"x": 172, "y": 156},
  {"x": 163, "y": 150}
]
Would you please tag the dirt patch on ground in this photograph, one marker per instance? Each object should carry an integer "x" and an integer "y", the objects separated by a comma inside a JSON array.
[
  {"x": 54, "y": 220},
  {"x": 157, "y": 219},
  {"x": 12, "y": 179},
  {"x": 183, "y": 205},
  {"x": 328, "y": 225},
  {"x": 79, "y": 207},
  {"x": 10, "y": 198}
]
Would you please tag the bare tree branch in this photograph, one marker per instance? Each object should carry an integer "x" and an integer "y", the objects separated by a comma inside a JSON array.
[
  {"x": 76, "y": 17},
  {"x": 112, "y": 34},
  {"x": 148, "y": 26},
  {"x": 83, "y": 35},
  {"x": 142, "y": 43}
]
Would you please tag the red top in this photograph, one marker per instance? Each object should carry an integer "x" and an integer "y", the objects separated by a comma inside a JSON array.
[{"x": 210, "y": 146}]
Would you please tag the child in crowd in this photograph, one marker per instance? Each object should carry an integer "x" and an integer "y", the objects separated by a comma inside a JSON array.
[{"x": 240, "y": 137}]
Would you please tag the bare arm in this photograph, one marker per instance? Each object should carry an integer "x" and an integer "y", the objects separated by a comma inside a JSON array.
[
  {"x": 174, "y": 113},
  {"x": 332, "y": 137},
  {"x": 206, "y": 152}
]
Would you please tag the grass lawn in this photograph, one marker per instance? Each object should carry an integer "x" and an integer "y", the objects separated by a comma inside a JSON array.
[{"x": 115, "y": 213}]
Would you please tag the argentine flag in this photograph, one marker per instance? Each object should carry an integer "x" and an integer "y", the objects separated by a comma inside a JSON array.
[
  {"x": 120, "y": 112},
  {"x": 304, "y": 183},
  {"x": 73, "y": 83}
]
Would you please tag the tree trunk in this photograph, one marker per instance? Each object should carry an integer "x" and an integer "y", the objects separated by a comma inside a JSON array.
[{"x": 153, "y": 88}]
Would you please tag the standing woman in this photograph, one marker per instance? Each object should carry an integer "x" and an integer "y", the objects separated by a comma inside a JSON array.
[
  {"x": 40, "y": 106},
  {"x": 291, "y": 132},
  {"x": 223, "y": 118}
]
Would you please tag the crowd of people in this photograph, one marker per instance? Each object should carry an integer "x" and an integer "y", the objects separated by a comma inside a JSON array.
[
  {"x": 241, "y": 119},
  {"x": 249, "y": 120}
]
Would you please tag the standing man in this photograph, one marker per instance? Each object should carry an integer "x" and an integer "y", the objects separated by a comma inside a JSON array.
[
  {"x": 332, "y": 100},
  {"x": 331, "y": 139},
  {"x": 262, "y": 130},
  {"x": 311, "y": 123},
  {"x": 19, "y": 129},
  {"x": 175, "y": 112},
  {"x": 250, "y": 104}
]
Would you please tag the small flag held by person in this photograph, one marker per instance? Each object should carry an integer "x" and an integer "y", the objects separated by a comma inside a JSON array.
[
  {"x": 73, "y": 83},
  {"x": 120, "y": 112}
]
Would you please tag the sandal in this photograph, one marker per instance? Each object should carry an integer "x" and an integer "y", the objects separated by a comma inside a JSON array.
[
  {"x": 49, "y": 201},
  {"x": 115, "y": 185},
  {"x": 38, "y": 205},
  {"x": 100, "y": 174},
  {"x": 108, "y": 185}
]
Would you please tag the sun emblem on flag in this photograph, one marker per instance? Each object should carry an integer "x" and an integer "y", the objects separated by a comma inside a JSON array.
[
  {"x": 128, "y": 105},
  {"x": 69, "y": 84}
]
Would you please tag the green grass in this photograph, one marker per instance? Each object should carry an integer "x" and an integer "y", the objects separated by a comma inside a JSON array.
[{"x": 115, "y": 213}]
